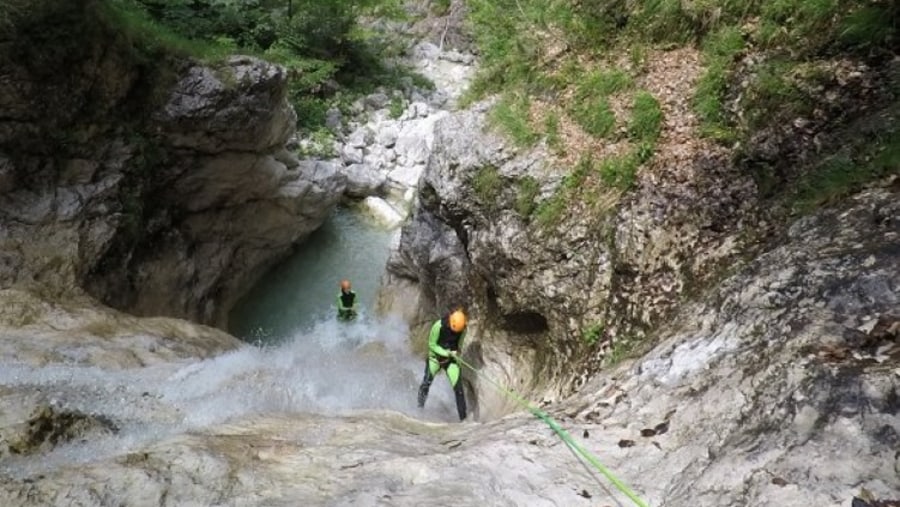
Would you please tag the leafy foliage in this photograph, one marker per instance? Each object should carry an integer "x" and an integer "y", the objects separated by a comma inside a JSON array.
[
  {"x": 592, "y": 334},
  {"x": 396, "y": 107},
  {"x": 319, "y": 41}
]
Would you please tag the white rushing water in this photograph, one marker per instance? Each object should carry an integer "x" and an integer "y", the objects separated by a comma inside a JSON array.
[
  {"x": 335, "y": 368},
  {"x": 298, "y": 358}
]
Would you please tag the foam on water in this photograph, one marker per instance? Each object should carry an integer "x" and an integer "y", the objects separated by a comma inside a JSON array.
[
  {"x": 304, "y": 361},
  {"x": 333, "y": 368}
]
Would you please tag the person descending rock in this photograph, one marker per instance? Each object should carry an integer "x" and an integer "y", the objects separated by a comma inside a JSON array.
[
  {"x": 444, "y": 343},
  {"x": 346, "y": 302}
]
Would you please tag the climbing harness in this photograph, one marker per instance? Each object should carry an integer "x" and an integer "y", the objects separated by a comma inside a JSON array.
[{"x": 561, "y": 433}]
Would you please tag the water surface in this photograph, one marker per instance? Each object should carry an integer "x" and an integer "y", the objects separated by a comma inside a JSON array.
[{"x": 301, "y": 292}]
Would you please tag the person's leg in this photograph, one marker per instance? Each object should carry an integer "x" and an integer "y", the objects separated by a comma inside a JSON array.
[
  {"x": 431, "y": 367},
  {"x": 456, "y": 382}
]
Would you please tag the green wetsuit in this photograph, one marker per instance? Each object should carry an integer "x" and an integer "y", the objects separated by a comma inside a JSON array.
[
  {"x": 346, "y": 303},
  {"x": 442, "y": 340}
]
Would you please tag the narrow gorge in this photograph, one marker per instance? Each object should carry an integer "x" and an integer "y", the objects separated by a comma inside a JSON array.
[{"x": 677, "y": 288}]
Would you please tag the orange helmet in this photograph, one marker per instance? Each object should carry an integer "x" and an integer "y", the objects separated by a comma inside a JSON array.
[
  {"x": 457, "y": 321},
  {"x": 345, "y": 284}
]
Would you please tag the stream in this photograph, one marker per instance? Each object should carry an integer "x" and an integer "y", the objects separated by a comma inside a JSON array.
[
  {"x": 299, "y": 359},
  {"x": 299, "y": 294}
]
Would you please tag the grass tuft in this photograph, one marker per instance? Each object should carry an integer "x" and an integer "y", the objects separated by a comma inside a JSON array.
[
  {"x": 592, "y": 334},
  {"x": 526, "y": 196},
  {"x": 720, "y": 50},
  {"x": 511, "y": 116},
  {"x": 844, "y": 172},
  {"x": 646, "y": 118},
  {"x": 619, "y": 172},
  {"x": 551, "y": 129},
  {"x": 594, "y": 115},
  {"x": 487, "y": 184}
]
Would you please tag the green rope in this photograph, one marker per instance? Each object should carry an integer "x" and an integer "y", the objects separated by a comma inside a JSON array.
[{"x": 563, "y": 435}]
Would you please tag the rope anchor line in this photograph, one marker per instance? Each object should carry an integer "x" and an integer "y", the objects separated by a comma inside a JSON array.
[{"x": 561, "y": 433}]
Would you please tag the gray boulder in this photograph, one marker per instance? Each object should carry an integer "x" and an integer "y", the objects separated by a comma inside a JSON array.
[
  {"x": 363, "y": 181},
  {"x": 239, "y": 106}
]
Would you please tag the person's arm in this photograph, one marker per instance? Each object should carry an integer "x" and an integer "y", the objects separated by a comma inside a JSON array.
[{"x": 433, "y": 341}]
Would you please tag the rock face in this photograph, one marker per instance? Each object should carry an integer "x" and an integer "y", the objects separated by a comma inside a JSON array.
[
  {"x": 706, "y": 419},
  {"x": 384, "y": 145},
  {"x": 162, "y": 194},
  {"x": 473, "y": 239},
  {"x": 781, "y": 387},
  {"x": 238, "y": 199},
  {"x": 37, "y": 335}
]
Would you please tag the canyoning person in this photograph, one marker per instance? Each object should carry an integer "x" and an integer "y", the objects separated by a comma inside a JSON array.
[
  {"x": 444, "y": 343},
  {"x": 346, "y": 302}
]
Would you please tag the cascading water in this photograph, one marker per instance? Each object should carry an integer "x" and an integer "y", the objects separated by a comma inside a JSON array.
[{"x": 310, "y": 363}]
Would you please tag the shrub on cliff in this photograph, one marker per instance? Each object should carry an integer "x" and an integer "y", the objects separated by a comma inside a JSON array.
[
  {"x": 320, "y": 42},
  {"x": 764, "y": 65}
]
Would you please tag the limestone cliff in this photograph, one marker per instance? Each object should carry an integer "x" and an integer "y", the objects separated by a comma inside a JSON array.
[
  {"x": 553, "y": 297},
  {"x": 617, "y": 265},
  {"x": 160, "y": 185},
  {"x": 780, "y": 387}
]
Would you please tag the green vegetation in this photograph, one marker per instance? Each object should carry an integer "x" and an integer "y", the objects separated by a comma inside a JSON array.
[
  {"x": 620, "y": 171},
  {"x": 440, "y": 7},
  {"x": 595, "y": 116},
  {"x": 551, "y": 130},
  {"x": 602, "y": 83},
  {"x": 580, "y": 61},
  {"x": 622, "y": 348},
  {"x": 646, "y": 118},
  {"x": 11, "y": 11},
  {"x": 514, "y": 34},
  {"x": 154, "y": 37},
  {"x": 549, "y": 211},
  {"x": 321, "y": 144},
  {"x": 329, "y": 56},
  {"x": 510, "y": 115},
  {"x": 638, "y": 57},
  {"x": 592, "y": 334},
  {"x": 590, "y": 108},
  {"x": 487, "y": 185},
  {"x": 396, "y": 107},
  {"x": 719, "y": 52},
  {"x": 848, "y": 170},
  {"x": 526, "y": 196}
]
